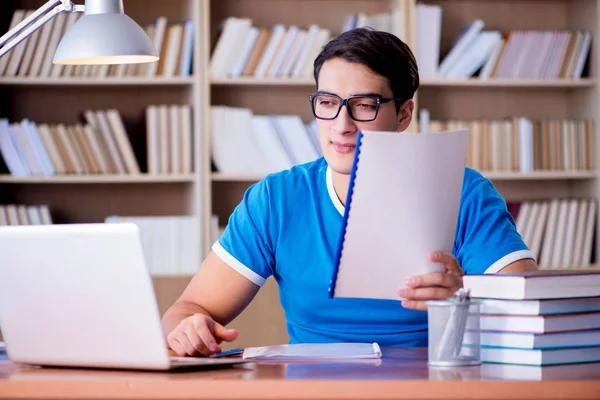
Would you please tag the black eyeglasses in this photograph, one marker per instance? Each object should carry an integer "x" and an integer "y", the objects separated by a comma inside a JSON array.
[{"x": 361, "y": 108}]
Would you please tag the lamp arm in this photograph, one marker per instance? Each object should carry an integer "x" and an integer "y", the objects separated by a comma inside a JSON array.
[{"x": 48, "y": 10}]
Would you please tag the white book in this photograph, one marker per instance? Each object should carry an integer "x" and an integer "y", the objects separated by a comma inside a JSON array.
[
  {"x": 152, "y": 140},
  {"x": 34, "y": 216},
  {"x": 159, "y": 36},
  {"x": 175, "y": 145},
  {"x": 429, "y": 33},
  {"x": 492, "y": 60},
  {"x": 17, "y": 53},
  {"x": 122, "y": 140},
  {"x": 41, "y": 153},
  {"x": 9, "y": 152},
  {"x": 269, "y": 144},
  {"x": 17, "y": 17},
  {"x": 460, "y": 46},
  {"x": 55, "y": 36},
  {"x": 269, "y": 53},
  {"x": 3, "y": 222},
  {"x": 187, "y": 141},
  {"x": 283, "y": 51},
  {"x": 175, "y": 37},
  {"x": 164, "y": 133},
  {"x": 311, "y": 37},
  {"x": 285, "y": 69},
  {"x": 187, "y": 52},
  {"x": 242, "y": 58},
  {"x": 24, "y": 148},
  {"x": 392, "y": 221}
]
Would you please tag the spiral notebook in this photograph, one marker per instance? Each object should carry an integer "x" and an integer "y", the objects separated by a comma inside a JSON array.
[{"x": 402, "y": 203}]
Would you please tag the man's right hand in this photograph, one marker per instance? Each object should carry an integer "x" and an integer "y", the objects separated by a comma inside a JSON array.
[{"x": 198, "y": 335}]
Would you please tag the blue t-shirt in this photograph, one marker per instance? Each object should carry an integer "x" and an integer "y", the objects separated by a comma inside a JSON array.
[{"x": 288, "y": 226}]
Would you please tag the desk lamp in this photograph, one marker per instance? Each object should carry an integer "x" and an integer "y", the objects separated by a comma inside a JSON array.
[{"x": 104, "y": 35}]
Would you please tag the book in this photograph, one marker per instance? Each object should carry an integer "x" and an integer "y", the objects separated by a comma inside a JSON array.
[
  {"x": 539, "y": 307},
  {"x": 402, "y": 203},
  {"x": 540, "y": 323},
  {"x": 534, "y": 285},
  {"x": 540, "y": 356},
  {"x": 314, "y": 351},
  {"x": 526, "y": 340}
]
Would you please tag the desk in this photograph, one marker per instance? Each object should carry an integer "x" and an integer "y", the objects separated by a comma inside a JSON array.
[{"x": 402, "y": 374}]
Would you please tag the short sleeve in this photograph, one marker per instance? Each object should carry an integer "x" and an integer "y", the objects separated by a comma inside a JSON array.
[
  {"x": 246, "y": 243},
  {"x": 487, "y": 238}
]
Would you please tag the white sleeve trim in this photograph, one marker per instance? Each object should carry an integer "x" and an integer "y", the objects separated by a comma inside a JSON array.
[
  {"x": 508, "y": 259},
  {"x": 237, "y": 265}
]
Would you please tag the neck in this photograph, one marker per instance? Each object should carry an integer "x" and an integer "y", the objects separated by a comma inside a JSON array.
[{"x": 341, "y": 183}]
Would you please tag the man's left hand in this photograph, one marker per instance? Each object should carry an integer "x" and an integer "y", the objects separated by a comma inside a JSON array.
[{"x": 434, "y": 286}]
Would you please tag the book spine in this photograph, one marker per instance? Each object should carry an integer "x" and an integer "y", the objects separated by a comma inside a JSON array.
[{"x": 346, "y": 211}]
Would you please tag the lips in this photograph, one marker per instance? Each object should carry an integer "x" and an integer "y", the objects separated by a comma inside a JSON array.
[{"x": 344, "y": 148}]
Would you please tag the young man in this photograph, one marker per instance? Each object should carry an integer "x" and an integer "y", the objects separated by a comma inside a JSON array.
[{"x": 288, "y": 224}]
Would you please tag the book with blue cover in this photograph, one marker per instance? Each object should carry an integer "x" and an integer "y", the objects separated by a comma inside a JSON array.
[{"x": 402, "y": 203}]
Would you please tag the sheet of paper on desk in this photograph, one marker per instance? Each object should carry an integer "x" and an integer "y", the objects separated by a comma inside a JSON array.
[{"x": 314, "y": 351}]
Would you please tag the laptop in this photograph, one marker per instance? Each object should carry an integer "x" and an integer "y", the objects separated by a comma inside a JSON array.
[{"x": 80, "y": 295}]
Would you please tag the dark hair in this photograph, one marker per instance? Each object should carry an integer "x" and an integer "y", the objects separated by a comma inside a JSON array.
[{"x": 382, "y": 52}]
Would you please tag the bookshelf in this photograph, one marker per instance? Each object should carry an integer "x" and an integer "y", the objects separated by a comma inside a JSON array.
[{"x": 206, "y": 192}]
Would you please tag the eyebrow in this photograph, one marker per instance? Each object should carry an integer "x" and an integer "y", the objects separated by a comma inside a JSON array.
[{"x": 355, "y": 94}]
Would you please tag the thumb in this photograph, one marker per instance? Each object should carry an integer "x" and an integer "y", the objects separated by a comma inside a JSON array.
[{"x": 223, "y": 333}]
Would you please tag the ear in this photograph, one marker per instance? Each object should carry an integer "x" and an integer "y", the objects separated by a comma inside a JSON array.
[{"x": 405, "y": 115}]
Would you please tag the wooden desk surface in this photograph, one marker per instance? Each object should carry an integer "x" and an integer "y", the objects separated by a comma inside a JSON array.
[{"x": 401, "y": 374}]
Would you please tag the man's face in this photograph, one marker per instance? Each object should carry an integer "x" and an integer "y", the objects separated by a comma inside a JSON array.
[{"x": 338, "y": 136}]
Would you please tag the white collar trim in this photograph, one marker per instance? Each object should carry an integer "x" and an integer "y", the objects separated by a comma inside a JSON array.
[{"x": 334, "y": 197}]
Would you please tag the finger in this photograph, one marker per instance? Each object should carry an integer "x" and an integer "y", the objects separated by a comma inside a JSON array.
[
  {"x": 175, "y": 345},
  {"x": 429, "y": 293},
  {"x": 206, "y": 336},
  {"x": 195, "y": 341},
  {"x": 183, "y": 340},
  {"x": 433, "y": 279},
  {"x": 225, "y": 334},
  {"x": 414, "y": 305},
  {"x": 449, "y": 261}
]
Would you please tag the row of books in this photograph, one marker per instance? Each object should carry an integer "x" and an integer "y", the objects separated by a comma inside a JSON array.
[
  {"x": 279, "y": 51},
  {"x": 559, "y": 232},
  {"x": 244, "y": 143},
  {"x": 99, "y": 145},
  {"x": 169, "y": 139},
  {"x": 512, "y": 54},
  {"x": 22, "y": 214},
  {"x": 523, "y": 144},
  {"x": 171, "y": 243},
  {"x": 539, "y": 318},
  {"x": 33, "y": 56},
  {"x": 392, "y": 21}
]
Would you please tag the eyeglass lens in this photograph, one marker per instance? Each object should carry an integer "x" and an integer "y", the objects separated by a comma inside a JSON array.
[{"x": 361, "y": 108}]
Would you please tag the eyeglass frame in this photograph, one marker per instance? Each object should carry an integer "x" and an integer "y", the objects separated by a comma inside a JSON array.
[{"x": 346, "y": 102}]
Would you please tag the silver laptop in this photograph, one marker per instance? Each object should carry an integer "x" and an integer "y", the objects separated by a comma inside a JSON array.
[{"x": 80, "y": 295}]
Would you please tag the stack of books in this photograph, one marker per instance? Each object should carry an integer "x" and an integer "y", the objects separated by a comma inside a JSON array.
[{"x": 538, "y": 318}]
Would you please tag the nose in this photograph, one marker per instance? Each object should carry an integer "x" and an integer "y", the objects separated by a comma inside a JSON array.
[{"x": 343, "y": 124}]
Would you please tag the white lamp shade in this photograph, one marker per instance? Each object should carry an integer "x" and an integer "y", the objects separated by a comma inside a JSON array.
[{"x": 107, "y": 38}]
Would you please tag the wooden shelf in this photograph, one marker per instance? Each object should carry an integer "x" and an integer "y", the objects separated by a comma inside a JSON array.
[
  {"x": 84, "y": 179},
  {"x": 248, "y": 81},
  {"x": 540, "y": 175},
  {"x": 490, "y": 83},
  {"x": 128, "y": 81},
  {"x": 500, "y": 175},
  {"x": 218, "y": 177},
  {"x": 510, "y": 83}
]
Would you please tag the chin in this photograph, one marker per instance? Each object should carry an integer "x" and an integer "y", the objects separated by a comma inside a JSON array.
[{"x": 340, "y": 163}]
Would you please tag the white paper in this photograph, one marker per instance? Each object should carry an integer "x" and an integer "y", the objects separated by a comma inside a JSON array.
[
  {"x": 314, "y": 351},
  {"x": 405, "y": 204}
]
